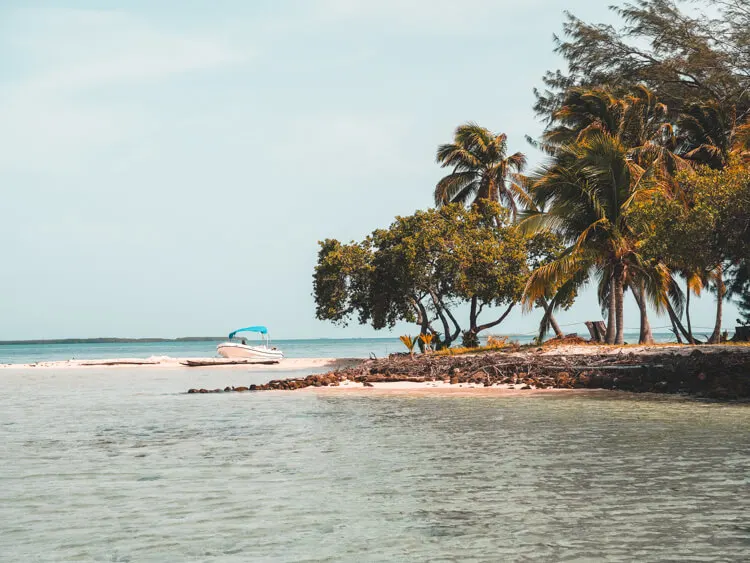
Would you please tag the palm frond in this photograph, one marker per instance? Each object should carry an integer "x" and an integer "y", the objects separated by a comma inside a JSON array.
[{"x": 451, "y": 185}]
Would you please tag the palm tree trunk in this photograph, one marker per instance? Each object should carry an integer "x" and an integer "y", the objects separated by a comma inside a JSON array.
[
  {"x": 646, "y": 336},
  {"x": 555, "y": 326},
  {"x": 676, "y": 331},
  {"x": 619, "y": 310},
  {"x": 687, "y": 314},
  {"x": 677, "y": 323},
  {"x": 610, "y": 336},
  {"x": 550, "y": 317},
  {"x": 720, "y": 292}
]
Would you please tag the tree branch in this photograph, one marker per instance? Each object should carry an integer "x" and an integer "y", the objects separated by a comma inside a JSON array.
[
  {"x": 498, "y": 321},
  {"x": 453, "y": 319}
]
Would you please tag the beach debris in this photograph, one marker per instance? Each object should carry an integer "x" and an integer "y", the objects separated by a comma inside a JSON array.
[
  {"x": 721, "y": 375},
  {"x": 211, "y": 362}
]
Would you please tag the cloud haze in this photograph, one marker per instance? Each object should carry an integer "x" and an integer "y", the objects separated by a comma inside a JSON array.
[{"x": 167, "y": 170}]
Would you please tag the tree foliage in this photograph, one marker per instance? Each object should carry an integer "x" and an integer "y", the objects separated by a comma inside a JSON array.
[
  {"x": 421, "y": 267},
  {"x": 706, "y": 232},
  {"x": 482, "y": 169},
  {"x": 709, "y": 227},
  {"x": 685, "y": 52},
  {"x": 648, "y": 139}
]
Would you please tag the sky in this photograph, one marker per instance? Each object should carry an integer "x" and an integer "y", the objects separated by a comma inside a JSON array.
[{"x": 167, "y": 168}]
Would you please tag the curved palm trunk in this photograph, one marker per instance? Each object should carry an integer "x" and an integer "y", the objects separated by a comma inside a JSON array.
[
  {"x": 721, "y": 290},
  {"x": 677, "y": 323},
  {"x": 544, "y": 304},
  {"x": 610, "y": 336},
  {"x": 646, "y": 336},
  {"x": 619, "y": 293},
  {"x": 676, "y": 331},
  {"x": 687, "y": 314},
  {"x": 555, "y": 327}
]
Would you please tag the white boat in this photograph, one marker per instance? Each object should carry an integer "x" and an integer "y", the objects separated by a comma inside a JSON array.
[{"x": 241, "y": 349}]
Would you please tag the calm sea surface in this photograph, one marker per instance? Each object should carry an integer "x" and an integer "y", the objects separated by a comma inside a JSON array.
[
  {"x": 121, "y": 465},
  {"x": 315, "y": 348}
]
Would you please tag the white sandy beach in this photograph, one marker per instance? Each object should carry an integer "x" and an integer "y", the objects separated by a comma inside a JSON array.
[
  {"x": 289, "y": 364},
  {"x": 415, "y": 388}
]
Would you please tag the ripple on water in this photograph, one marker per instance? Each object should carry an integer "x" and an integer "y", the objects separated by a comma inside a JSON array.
[{"x": 117, "y": 470}]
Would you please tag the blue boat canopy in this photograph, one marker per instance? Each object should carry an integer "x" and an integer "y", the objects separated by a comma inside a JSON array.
[{"x": 261, "y": 329}]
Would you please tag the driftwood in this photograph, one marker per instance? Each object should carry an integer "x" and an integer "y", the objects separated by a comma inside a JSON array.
[
  {"x": 226, "y": 362},
  {"x": 121, "y": 363},
  {"x": 597, "y": 330}
]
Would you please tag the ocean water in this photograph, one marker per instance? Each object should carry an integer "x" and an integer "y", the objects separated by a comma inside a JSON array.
[
  {"x": 313, "y": 348},
  {"x": 121, "y": 465}
]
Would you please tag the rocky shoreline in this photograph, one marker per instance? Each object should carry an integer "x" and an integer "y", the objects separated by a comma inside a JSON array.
[{"x": 717, "y": 374}]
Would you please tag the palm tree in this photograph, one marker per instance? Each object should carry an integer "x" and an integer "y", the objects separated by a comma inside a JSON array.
[
  {"x": 631, "y": 135},
  {"x": 709, "y": 134},
  {"x": 586, "y": 193},
  {"x": 482, "y": 169},
  {"x": 638, "y": 120}
]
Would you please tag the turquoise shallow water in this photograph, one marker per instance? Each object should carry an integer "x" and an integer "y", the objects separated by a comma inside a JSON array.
[
  {"x": 121, "y": 465},
  {"x": 313, "y": 348}
]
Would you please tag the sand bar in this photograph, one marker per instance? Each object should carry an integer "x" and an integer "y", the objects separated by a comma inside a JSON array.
[{"x": 287, "y": 364}]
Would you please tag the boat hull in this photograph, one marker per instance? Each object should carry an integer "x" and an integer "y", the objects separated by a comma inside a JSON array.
[{"x": 234, "y": 350}]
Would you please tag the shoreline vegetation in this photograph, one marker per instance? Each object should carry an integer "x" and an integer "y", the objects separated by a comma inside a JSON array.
[
  {"x": 642, "y": 193},
  {"x": 712, "y": 371}
]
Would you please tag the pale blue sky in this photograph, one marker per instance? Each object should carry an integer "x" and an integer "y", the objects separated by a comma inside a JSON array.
[{"x": 168, "y": 167}]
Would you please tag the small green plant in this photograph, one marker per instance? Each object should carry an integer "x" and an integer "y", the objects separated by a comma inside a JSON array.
[{"x": 409, "y": 342}]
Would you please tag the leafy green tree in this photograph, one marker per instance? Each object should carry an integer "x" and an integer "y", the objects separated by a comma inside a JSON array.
[
  {"x": 705, "y": 235},
  {"x": 740, "y": 289},
  {"x": 482, "y": 169},
  {"x": 743, "y": 305},
  {"x": 342, "y": 282},
  {"x": 490, "y": 264},
  {"x": 423, "y": 265},
  {"x": 413, "y": 272}
]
